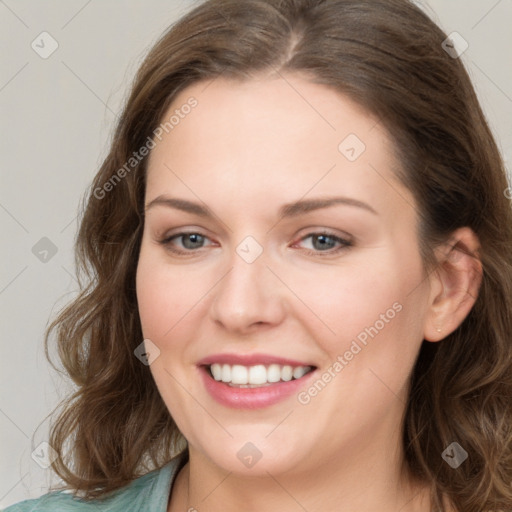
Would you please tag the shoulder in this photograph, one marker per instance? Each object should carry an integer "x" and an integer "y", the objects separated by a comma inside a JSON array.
[{"x": 148, "y": 492}]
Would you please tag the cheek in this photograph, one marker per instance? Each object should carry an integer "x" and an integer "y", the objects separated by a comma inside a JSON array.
[
  {"x": 372, "y": 304},
  {"x": 173, "y": 303},
  {"x": 162, "y": 295},
  {"x": 377, "y": 325},
  {"x": 346, "y": 300}
]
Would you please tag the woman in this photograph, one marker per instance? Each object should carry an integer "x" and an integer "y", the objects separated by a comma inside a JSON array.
[{"x": 299, "y": 263}]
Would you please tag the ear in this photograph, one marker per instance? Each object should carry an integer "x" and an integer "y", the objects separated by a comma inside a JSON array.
[{"x": 454, "y": 284}]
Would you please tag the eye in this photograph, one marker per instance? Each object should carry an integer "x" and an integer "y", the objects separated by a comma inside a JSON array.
[
  {"x": 186, "y": 242},
  {"x": 316, "y": 243},
  {"x": 325, "y": 243}
]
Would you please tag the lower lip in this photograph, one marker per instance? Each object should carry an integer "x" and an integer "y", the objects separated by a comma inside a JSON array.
[{"x": 251, "y": 398}]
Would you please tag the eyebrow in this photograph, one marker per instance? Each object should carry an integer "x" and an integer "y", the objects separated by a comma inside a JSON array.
[{"x": 294, "y": 209}]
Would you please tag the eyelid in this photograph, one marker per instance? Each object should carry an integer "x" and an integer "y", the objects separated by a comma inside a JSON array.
[
  {"x": 166, "y": 234},
  {"x": 345, "y": 240},
  {"x": 167, "y": 238}
]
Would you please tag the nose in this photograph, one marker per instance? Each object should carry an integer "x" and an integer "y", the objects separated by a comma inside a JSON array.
[{"x": 249, "y": 297}]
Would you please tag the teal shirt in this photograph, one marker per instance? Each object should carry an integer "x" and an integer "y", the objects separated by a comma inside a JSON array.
[{"x": 148, "y": 493}]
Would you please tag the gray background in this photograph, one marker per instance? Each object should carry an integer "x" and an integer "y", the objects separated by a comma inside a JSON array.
[{"x": 57, "y": 117}]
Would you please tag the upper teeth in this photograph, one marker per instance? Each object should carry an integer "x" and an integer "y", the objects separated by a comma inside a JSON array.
[{"x": 258, "y": 374}]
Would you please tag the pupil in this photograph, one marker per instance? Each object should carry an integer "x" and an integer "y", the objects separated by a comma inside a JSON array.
[
  {"x": 324, "y": 241},
  {"x": 194, "y": 239}
]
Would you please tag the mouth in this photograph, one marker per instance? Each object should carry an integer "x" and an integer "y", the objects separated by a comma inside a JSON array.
[
  {"x": 256, "y": 376},
  {"x": 253, "y": 381}
]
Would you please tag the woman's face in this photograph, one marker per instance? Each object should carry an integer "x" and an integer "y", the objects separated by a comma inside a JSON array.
[{"x": 277, "y": 235}]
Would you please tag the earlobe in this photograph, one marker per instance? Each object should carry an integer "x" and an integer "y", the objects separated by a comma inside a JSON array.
[{"x": 455, "y": 285}]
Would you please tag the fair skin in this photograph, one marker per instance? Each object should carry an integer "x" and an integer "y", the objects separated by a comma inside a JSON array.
[{"x": 246, "y": 150}]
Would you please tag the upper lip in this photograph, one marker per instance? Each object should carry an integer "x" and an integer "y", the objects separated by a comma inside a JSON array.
[{"x": 249, "y": 360}]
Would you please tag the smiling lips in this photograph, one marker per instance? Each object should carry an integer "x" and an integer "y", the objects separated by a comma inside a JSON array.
[{"x": 252, "y": 381}]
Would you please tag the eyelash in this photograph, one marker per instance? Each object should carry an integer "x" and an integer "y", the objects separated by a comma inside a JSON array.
[{"x": 345, "y": 244}]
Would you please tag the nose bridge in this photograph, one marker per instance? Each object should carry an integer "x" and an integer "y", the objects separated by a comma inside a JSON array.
[{"x": 249, "y": 293}]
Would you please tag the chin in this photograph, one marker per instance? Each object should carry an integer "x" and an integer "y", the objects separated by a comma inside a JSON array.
[{"x": 256, "y": 454}]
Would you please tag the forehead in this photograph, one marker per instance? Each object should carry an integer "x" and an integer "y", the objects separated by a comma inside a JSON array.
[
  {"x": 270, "y": 137},
  {"x": 271, "y": 111}
]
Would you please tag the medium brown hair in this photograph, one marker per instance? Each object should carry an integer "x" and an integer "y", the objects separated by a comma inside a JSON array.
[{"x": 386, "y": 55}]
